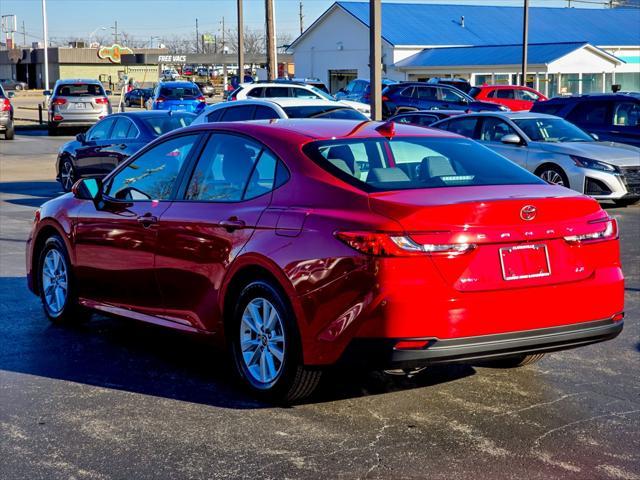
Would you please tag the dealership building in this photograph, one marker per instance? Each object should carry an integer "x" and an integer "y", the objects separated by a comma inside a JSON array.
[{"x": 571, "y": 50}]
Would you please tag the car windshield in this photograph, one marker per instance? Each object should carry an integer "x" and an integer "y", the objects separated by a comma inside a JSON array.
[
  {"x": 324, "y": 111},
  {"x": 166, "y": 123},
  {"x": 80, "y": 90},
  {"x": 552, "y": 130},
  {"x": 178, "y": 93},
  {"x": 416, "y": 162},
  {"x": 322, "y": 93}
]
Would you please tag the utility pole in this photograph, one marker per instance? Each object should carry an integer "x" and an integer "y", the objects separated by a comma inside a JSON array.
[
  {"x": 301, "y": 19},
  {"x": 240, "y": 43},
  {"x": 24, "y": 35},
  {"x": 115, "y": 32},
  {"x": 197, "y": 38},
  {"x": 525, "y": 42},
  {"x": 272, "y": 65},
  {"x": 375, "y": 58},
  {"x": 46, "y": 44}
]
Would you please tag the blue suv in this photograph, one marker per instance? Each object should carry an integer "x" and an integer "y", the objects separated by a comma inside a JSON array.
[
  {"x": 613, "y": 117},
  {"x": 177, "y": 96},
  {"x": 411, "y": 96}
]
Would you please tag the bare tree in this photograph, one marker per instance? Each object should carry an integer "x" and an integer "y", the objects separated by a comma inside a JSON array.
[{"x": 253, "y": 41}]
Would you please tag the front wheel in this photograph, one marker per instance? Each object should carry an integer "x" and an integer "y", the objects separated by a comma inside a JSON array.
[
  {"x": 56, "y": 283},
  {"x": 553, "y": 175},
  {"x": 266, "y": 347},
  {"x": 67, "y": 174}
]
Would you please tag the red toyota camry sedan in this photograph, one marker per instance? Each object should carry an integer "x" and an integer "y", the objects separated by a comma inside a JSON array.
[{"x": 297, "y": 244}]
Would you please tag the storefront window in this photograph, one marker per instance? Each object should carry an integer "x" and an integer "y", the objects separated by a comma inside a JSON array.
[
  {"x": 503, "y": 79},
  {"x": 553, "y": 85},
  {"x": 591, "y": 83},
  {"x": 569, "y": 83},
  {"x": 608, "y": 81},
  {"x": 482, "y": 79},
  {"x": 628, "y": 81}
]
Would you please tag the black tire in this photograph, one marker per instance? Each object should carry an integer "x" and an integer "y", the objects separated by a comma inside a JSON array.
[
  {"x": 516, "y": 361},
  {"x": 70, "y": 312},
  {"x": 67, "y": 174},
  {"x": 625, "y": 202},
  {"x": 10, "y": 132},
  {"x": 294, "y": 381},
  {"x": 553, "y": 174},
  {"x": 53, "y": 129}
]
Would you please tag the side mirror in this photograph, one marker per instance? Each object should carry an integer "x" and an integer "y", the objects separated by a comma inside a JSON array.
[
  {"x": 11, "y": 94},
  {"x": 47, "y": 93},
  {"x": 595, "y": 136},
  {"x": 511, "y": 139},
  {"x": 81, "y": 137},
  {"x": 88, "y": 189},
  {"x": 464, "y": 101}
]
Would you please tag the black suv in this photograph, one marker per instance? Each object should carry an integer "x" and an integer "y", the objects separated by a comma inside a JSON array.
[
  {"x": 612, "y": 117},
  {"x": 411, "y": 96}
]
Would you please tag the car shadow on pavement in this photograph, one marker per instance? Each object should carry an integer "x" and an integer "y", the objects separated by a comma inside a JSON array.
[
  {"x": 37, "y": 192},
  {"x": 126, "y": 355}
]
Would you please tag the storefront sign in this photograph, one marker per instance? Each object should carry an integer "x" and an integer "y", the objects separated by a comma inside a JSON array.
[
  {"x": 114, "y": 52},
  {"x": 172, "y": 58}
]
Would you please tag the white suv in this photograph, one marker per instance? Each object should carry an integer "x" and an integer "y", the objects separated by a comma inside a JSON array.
[
  {"x": 273, "y": 108},
  {"x": 288, "y": 90}
]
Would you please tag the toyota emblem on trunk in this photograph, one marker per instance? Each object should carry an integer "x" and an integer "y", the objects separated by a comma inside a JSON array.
[{"x": 528, "y": 212}]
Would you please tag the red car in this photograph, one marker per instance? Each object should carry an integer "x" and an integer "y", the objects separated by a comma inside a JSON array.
[
  {"x": 298, "y": 244},
  {"x": 516, "y": 97}
]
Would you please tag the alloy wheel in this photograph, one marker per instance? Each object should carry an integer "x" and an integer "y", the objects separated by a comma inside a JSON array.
[
  {"x": 55, "y": 281},
  {"x": 262, "y": 340},
  {"x": 67, "y": 175},
  {"x": 553, "y": 177}
]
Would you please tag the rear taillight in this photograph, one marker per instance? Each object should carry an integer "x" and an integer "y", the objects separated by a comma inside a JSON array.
[
  {"x": 607, "y": 230},
  {"x": 398, "y": 245},
  {"x": 160, "y": 99},
  {"x": 5, "y": 105},
  {"x": 59, "y": 101},
  {"x": 102, "y": 100},
  {"x": 201, "y": 99},
  {"x": 385, "y": 98}
]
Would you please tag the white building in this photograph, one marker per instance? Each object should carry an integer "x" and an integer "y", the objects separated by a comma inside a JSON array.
[{"x": 571, "y": 50}]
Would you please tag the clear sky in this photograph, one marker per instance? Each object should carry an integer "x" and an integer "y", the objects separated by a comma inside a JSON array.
[{"x": 144, "y": 18}]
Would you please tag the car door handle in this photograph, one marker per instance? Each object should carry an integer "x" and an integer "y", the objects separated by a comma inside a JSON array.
[
  {"x": 147, "y": 220},
  {"x": 231, "y": 224}
]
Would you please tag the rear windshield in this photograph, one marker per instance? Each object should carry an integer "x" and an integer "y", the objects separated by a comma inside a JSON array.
[
  {"x": 176, "y": 93},
  {"x": 416, "y": 162},
  {"x": 324, "y": 111},
  {"x": 164, "y": 124},
  {"x": 80, "y": 90}
]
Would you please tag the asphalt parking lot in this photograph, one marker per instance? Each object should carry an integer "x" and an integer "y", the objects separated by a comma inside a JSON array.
[{"x": 115, "y": 399}]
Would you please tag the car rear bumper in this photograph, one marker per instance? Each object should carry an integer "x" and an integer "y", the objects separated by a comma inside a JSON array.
[{"x": 383, "y": 353}]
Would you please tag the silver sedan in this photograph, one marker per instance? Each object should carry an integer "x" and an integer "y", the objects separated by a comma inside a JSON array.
[{"x": 557, "y": 151}]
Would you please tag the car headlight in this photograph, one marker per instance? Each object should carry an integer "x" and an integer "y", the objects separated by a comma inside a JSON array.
[{"x": 583, "y": 162}]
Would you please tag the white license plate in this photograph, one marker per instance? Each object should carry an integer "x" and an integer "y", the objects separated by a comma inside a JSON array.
[{"x": 80, "y": 106}]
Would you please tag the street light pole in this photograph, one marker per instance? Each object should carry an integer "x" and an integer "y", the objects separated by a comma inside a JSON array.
[
  {"x": 46, "y": 44},
  {"x": 525, "y": 41},
  {"x": 375, "y": 59},
  {"x": 240, "y": 43}
]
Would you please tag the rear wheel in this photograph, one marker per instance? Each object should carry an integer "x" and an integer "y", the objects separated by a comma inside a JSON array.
[
  {"x": 516, "y": 361},
  {"x": 56, "y": 283},
  {"x": 266, "y": 348},
  {"x": 67, "y": 174},
  {"x": 53, "y": 129},
  {"x": 10, "y": 131},
  {"x": 554, "y": 175}
]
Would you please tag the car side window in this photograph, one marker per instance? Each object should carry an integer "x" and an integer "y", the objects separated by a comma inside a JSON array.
[
  {"x": 101, "y": 130},
  {"x": 589, "y": 113},
  {"x": 235, "y": 114},
  {"x": 493, "y": 129},
  {"x": 303, "y": 93},
  {"x": 506, "y": 93},
  {"x": 407, "y": 92},
  {"x": 225, "y": 171},
  {"x": 264, "y": 113},
  {"x": 270, "y": 92},
  {"x": 492, "y": 94},
  {"x": 122, "y": 129},
  {"x": 425, "y": 120},
  {"x": 215, "y": 115},
  {"x": 626, "y": 114},
  {"x": 448, "y": 95},
  {"x": 256, "y": 92},
  {"x": 527, "y": 96},
  {"x": 153, "y": 175},
  {"x": 406, "y": 119},
  {"x": 427, "y": 93},
  {"x": 463, "y": 126}
]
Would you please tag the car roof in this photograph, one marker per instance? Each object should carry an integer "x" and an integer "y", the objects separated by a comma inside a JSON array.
[
  {"x": 595, "y": 96},
  {"x": 73, "y": 81},
  {"x": 501, "y": 87},
  {"x": 507, "y": 115},
  {"x": 151, "y": 114},
  {"x": 176, "y": 83},
  {"x": 304, "y": 130},
  {"x": 282, "y": 102}
]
